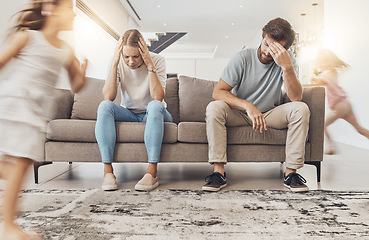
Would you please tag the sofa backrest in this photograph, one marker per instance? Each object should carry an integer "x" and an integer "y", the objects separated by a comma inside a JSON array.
[
  {"x": 88, "y": 99},
  {"x": 171, "y": 98},
  {"x": 194, "y": 96}
]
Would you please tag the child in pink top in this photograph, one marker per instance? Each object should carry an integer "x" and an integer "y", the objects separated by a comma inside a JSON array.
[
  {"x": 335, "y": 94},
  {"x": 329, "y": 64}
]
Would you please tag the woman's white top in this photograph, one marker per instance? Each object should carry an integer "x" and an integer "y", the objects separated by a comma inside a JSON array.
[{"x": 135, "y": 83}]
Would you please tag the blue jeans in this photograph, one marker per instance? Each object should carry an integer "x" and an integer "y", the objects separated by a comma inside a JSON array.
[{"x": 108, "y": 113}]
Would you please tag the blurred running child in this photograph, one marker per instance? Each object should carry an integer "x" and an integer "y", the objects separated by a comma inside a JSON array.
[
  {"x": 26, "y": 95},
  {"x": 328, "y": 65}
]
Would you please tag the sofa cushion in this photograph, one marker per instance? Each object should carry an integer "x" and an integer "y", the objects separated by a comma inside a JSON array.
[
  {"x": 194, "y": 95},
  {"x": 195, "y": 132},
  {"x": 73, "y": 130},
  {"x": 171, "y": 98},
  {"x": 63, "y": 104},
  {"x": 88, "y": 99}
]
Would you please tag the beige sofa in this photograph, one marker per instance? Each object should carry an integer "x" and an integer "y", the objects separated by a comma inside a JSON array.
[{"x": 71, "y": 135}]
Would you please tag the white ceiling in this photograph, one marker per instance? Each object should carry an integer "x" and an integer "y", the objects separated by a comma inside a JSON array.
[{"x": 219, "y": 28}]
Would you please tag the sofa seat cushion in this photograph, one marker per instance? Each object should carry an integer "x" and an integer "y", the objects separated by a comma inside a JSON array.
[
  {"x": 73, "y": 130},
  {"x": 195, "y": 132}
]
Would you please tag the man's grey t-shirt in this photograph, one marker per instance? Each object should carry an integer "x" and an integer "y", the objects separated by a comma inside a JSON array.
[{"x": 253, "y": 81}]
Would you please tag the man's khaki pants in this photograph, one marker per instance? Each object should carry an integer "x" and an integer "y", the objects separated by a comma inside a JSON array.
[{"x": 294, "y": 116}]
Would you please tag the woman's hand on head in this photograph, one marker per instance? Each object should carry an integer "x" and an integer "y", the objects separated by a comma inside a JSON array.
[
  {"x": 145, "y": 54},
  {"x": 118, "y": 49}
]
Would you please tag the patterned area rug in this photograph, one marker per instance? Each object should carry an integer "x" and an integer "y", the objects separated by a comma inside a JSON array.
[{"x": 177, "y": 214}]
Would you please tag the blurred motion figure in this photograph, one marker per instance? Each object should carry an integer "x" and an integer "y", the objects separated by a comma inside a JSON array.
[
  {"x": 26, "y": 95},
  {"x": 328, "y": 66}
]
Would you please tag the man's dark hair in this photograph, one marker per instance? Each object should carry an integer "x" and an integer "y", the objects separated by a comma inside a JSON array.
[{"x": 280, "y": 30}]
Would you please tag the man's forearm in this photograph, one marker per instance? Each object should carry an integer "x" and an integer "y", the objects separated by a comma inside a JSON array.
[
  {"x": 293, "y": 85},
  {"x": 230, "y": 99}
]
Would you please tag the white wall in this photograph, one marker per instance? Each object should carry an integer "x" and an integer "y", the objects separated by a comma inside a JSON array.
[
  {"x": 93, "y": 43},
  {"x": 111, "y": 12},
  {"x": 209, "y": 69},
  {"x": 347, "y": 35},
  {"x": 7, "y": 10}
]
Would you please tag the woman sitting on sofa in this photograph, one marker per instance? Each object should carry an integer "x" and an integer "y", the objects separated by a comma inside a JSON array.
[{"x": 142, "y": 76}]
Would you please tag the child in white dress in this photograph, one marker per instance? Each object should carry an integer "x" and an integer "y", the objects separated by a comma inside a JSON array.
[{"x": 26, "y": 95}]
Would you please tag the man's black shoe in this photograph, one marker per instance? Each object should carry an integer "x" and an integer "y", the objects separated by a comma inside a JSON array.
[
  {"x": 295, "y": 182},
  {"x": 215, "y": 182}
]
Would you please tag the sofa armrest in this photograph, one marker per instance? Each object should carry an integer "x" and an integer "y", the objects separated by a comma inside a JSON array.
[
  {"x": 314, "y": 97},
  {"x": 64, "y": 100}
]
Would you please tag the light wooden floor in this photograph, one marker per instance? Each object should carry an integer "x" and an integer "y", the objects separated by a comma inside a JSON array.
[{"x": 348, "y": 170}]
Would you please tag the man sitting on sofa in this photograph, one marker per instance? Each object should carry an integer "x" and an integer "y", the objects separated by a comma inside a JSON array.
[{"x": 255, "y": 77}]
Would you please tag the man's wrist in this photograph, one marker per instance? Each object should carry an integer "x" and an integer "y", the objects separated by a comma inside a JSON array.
[
  {"x": 247, "y": 105},
  {"x": 287, "y": 68}
]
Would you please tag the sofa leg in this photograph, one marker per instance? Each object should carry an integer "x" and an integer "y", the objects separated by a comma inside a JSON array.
[
  {"x": 36, "y": 167},
  {"x": 317, "y": 164}
]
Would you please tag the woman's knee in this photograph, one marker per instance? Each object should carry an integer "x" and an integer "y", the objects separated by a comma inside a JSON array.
[
  {"x": 105, "y": 106},
  {"x": 155, "y": 106}
]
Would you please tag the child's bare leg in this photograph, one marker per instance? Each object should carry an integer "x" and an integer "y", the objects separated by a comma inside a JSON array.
[
  {"x": 15, "y": 177},
  {"x": 5, "y": 168},
  {"x": 351, "y": 118},
  {"x": 331, "y": 117},
  {"x": 330, "y": 148}
]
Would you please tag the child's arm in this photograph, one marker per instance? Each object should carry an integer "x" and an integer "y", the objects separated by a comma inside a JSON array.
[
  {"x": 18, "y": 41},
  {"x": 77, "y": 74},
  {"x": 318, "y": 81},
  {"x": 310, "y": 85}
]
